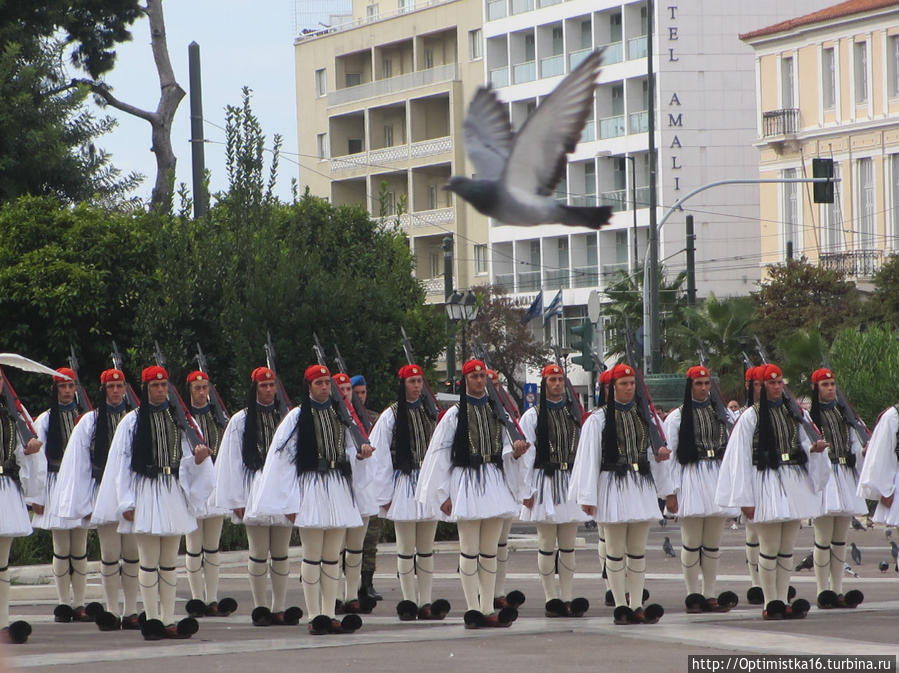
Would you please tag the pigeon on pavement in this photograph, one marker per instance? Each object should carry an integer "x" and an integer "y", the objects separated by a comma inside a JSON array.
[
  {"x": 806, "y": 563},
  {"x": 516, "y": 173},
  {"x": 667, "y": 548},
  {"x": 856, "y": 554},
  {"x": 856, "y": 524},
  {"x": 848, "y": 569}
]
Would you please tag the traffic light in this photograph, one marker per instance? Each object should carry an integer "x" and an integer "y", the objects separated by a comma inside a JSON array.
[
  {"x": 584, "y": 344},
  {"x": 822, "y": 192}
]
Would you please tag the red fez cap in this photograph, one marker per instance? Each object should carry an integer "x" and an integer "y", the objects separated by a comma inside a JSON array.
[
  {"x": 408, "y": 371},
  {"x": 112, "y": 375},
  {"x": 154, "y": 373},
  {"x": 551, "y": 370},
  {"x": 771, "y": 371},
  {"x": 197, "y": 376},
  {"x": 621, "y": 371},
  {"x": 493, "y": 374},
  {"x": 750, "y": 373},
  {"x": 473, "y": 366},
  {"x": 606, "y": 377},
  {"x": 316, "y": 372},
  {"x": 261, "y": 374},
  {"x": 698, "y": 372},
  {"x": 66, "y": 372},
  {"x": 340, "y": 377},
  {"x": 822, "y": 375}
]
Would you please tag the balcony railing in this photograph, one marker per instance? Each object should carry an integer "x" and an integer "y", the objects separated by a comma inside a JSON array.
[
  {"x": 553, "y": 280},
  {"x": 500, "y": 76},
  {"x": 528, "y": 281},
  {"x": 589, "y": 132},
  {"x": 642, "y": 196},
  {"x": 433, "y": 285},
  {"x": 610, "y": 271},
  {"x": 612, "y": 127},
  {"x": 547, "y": 3},
  {"x": 638, "y": 122},
  {"x": 497, "y": 9},
  {"x": 411, "y": 80},
  {"x": 426, "y": 148},
  {"x": 505, "y": 281},
  {"x": 521, "y": 6},
  {"x": 575, "y": 57},
  {"x": 780, "y": 122},
  {"x": 552, "y": 66},
  {"x": 853, "y": 263},
  {"x": 524, "y": 72},
  {"x": 384, "y": 155},
  {"x": 388, "y": 154},
  {"x": 430, "y": 218},
  {"x": 636, "y": 47},
  {"x": 586, "y": 276},
  {"x": 583, "y": 200},
  {"x": 617, "y": 199}
]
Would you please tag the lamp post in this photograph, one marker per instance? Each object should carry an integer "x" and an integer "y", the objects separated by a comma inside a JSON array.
[{"x": 464, "y": 309}]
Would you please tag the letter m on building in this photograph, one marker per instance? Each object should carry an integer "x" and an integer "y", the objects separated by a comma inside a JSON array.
[{"x": 676, "y": 121}]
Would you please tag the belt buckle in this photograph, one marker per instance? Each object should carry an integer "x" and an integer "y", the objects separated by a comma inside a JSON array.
[
  {"x": 166, "y": 470},
  {"x": 635, "y": 467},
  {"x": 563, "y": 467},
  {"x": 784, "y": 457},
  {"x": 842, "y": 460},
  {"x": 710, "y": 453},
  {"x": 332, "y": 464},
  {"x": 1, "y": 469}
]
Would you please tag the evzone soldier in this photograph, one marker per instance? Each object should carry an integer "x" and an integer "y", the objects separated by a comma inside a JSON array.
[
  {"x": 754, "y": 595},
  {"x": 53, "y": 428},
  {"x": 553, "y": 433},
  {"x": 841, "y": 500},
  {"x": 403, "y": 432},
  {"x": 311, "y": 474},
  {"x": 463, "y": 476},
  {"x": 605, "y": 378},
  {"x": 22, "y": 484},
  {"x": 375, "y": 523},
  {"x": 617, "y": 481},
  {"x": 697, "y": 437},
  {"x": 161, "y": 481},
  {"x": 879, "y": 477},
  {"x": 202, "y": 545},
  {"x": 242, "y": 453},
  {"x": 775, "y": 474},
  {"x": 86, "y": 490}
]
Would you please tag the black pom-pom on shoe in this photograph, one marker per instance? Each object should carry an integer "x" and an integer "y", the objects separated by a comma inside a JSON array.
[
  {"x": 507, "y": 615},
  {"x": 63, "y": 614},
  {"x": 152, "y": 629},
  {"x": 798, "y": 609},
  {"x": 187, "y": 627},
  {"x": 694, "y": 603},
  {"x": 320, "y": 625},
  {"x": 225, "y": 607},
  {"x": 106, "y": 621},
  {"x": 93, "y": 609},
  {"x": 853, "y": 598},
  {"x": 827, "y": 599},
  {"x": 351, "y": 623},
  {"x": 727, "y": 600},
  {"x": 407, "y": 611},
  {"x": 653, "y": 613},
  {"x": 774, "y": 610},
  {"x": 195, "y": 608},
  {"x": 578, "y": 607},
  {"x": 261, "y": 616},
  {"x": 555, "y": 608},
  {"x": 292, "y": 616},
  {"x": 515, "y": 599},
  {"x": 623, "y": 615},
  {"x": 755, "y": 596},
  {"x": 17, "y": 633},
  {"x": 473, "y": 619},
  {"x": 440, "y": 608}
]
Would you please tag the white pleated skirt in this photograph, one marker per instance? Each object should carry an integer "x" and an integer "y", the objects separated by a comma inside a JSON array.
[
  {"x": 551, "y": 504},
  {"x": 48, "y": 520},
  {"x": 403, "y": 506},
  {"x": 326, "y": 501},
  {"x": 697, "y": 483},
  {"x": 15, "y": 521},
  {"x": 480, "y": 493},
  {"x": 785, "y": 494},
  {"x": 841, "y": 496},
  {"x": 161, "y": 507},
  {"x": 628, "y": 498}
]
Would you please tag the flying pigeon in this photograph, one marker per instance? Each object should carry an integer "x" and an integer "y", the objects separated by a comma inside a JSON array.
[
  {"x": 667, "y": 548},
  {"x": 856, "y": 524},
  {"x": 806, "y": 563},
  {"x": 516, "y": 173},
  {"x": 855, "y": 553}
]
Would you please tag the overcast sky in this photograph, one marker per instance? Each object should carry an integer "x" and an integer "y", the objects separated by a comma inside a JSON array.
[{"x": 241, "y": 43}]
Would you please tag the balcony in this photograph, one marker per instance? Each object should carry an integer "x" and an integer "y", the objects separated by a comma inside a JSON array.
[
  {"x": 589, "y": 132},
  {"x": 780, "y": 122},
  {"x": 387, "y": 155},
  {"x": 497, "y": 9},
  {"x": 433, "y": 285},
  {"x": 586, "y": 276},
  {"x": 522, "y": 6},
  {"x": 617, "y": 199},
  {"x": 528, "y": 281},
  {"x": 431, "y": 146},
  {"x": 853, "y": 263},
  {"x": 583, "y": 200},
  {"x": 638, "y": 122},
  {"x": 610, "y": 272},
  {"x": 575, "y": 57},
  {"x": 499, "y": 77},
  {"x": 636, "y": 47},
  {"x": 556, "y": 279},
  {"x": 381, "y": 87},
  {"x": 642, "y": 197},
  {"x": 436, "y": 217},
  {"x": 552, "y": 66},
  {"x": 612, "y": 127},
  {"x": 524, "y": 72},
  {"x": 505, "y": 281}
]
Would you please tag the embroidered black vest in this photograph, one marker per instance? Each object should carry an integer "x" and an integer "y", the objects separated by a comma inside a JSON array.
[
  {"x": 166, "y": 438},
  {"x": 421, "y": 427},
  {"x": 212, "y": 433},
  {"x": 629, "y": 454},
  {"x": 786, "y": 434},
  {"x": 98, "y": 463},
  {"x": 836, "y": 433},
  {"x": 709, "y": 432},
  {"x": 9, "y": 466},
  {"x": 564, "y": 435},
  {"x": 67, "y": 420},
  {"x": 485, "y": 443}
]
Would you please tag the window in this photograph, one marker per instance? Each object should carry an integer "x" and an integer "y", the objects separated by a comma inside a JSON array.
[
  {"x": 353, "y": 145},
  {"x": 371, "y": 12},
  {"x": 615, "y": 27},
  {"x": 590, "y": 183},
  {"x": 557, "y": 40},
  {"x": 617, "y": 100},
  {"x": 387, "y": 68},
  {"x": 786, "y": 82},
  {"x": 529, "y": 47},
  {"x": 893, "y": 65},
  {"x": 865, "y": 215},
  {"x": 619, "y": 173},
  {"x": 406, "y": 6},
  {"x": 792, "y": 233},
  {"x": 352, "y": 79},
  {"x": 832, "y": 219},
  {"x": 586, "y": 34},
  {"x": 435, "y": 259},
  {"x": 480, "y": 259},
  {"x": 322, "y": 145},
  {"x": 321, "y": 82},
  {"x": 475, "y": 44},
  {"x": 860, "y": 52},
  {"x": 432, "y": 197},
  {"x": 429, "y": 58},
  {"x": 592, "y": 256},
  {"x": 621, "y": 246},
  {"x": 828, "y": 78},
  {"x": 388, "y": 204},
  {"x": 388, "y": 136}
]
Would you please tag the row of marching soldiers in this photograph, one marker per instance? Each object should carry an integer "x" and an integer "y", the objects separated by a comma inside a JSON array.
[{"x": 134, "y": 476}]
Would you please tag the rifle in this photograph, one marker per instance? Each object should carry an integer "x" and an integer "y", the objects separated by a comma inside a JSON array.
[
  {"x": 808, "y": 427},
  {"x": 715, "y": 392},
  {"x": 81, "y": 398},
  {"x": 346, "y": 414},
  {"x": 644, "y": 402},
  {"x": 360, "y": 411},
  {"x": 24, "y": 428},
  {"x": 501, "y": 393},
  {"x": 428, "y": 398},
  {"x": 505, "y": 417},
  {"x": 281, "y": 398},
  {"x": 219, "y": 412},
  {"x": 851, "y": 415},
  {"x": 130, "y": 395},
  {"x": 182, "y": 415},
  {"x": 571, "y": 396}
]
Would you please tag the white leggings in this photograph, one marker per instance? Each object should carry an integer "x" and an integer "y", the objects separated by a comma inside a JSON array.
[
  {"x": 556, "y": 540},
  {"x": 115, "y": 547},
  {"x": 415, "y": 559},
  {"x": 202, "y": 558},
  {"x": 5, "y": 544},
  {"x": 830, "y": 552},
  {"x": 352, "y": 559},
  {"x": 265, "y": 541},
  {"x": 478, "y": 542},
  {"x": 70, "y": 565},
  {"x": 502, "y": 557},
  {"x": 321, "y": 569},
  {"x": 626, "y": 578},
  {"x": 752, "y": 553},
  {"x": 701, "y": 538},
  {"x": 158, "y": 579},
  {"x": 776, "y": 540}
]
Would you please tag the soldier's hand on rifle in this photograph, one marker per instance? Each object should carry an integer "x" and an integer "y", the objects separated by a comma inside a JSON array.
[
  {"x": 671, "y": 503},
  {"x": 519, "y": 448},
  {"x": 589, "y": 510},
  {"x": 37, "y": 509},
  {"x": 528, "y": 502},
  {"x": 291, "y": 517},
  {"x": 201, "y": 453},
  {"x": 819, "y": 446},
  {"x": 447, "y": 507},
  {"x": 663, "y": 454},
  {"x": 365, "y": 451},
  {"x": 239, "y": 512},
  {"x": 129, "y": 515},
  {"x": 748, "y": 512},
  {"x": 33, "y": 446},
  {"x": 887, "y": 501}
]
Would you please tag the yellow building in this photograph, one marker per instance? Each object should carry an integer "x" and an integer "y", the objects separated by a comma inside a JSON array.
[
  {"x": 828, "y": 87},
  {"x": 380, "y": 103}
]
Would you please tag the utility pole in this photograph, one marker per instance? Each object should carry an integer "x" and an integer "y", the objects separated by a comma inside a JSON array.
[
  {"x": 691, "y": 263},
  {"x": 447, "y": 293},
  {"x": 198, "y": 153}
]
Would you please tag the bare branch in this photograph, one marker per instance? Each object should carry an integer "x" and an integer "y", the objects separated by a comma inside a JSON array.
[{"x": 103, "y": 91}]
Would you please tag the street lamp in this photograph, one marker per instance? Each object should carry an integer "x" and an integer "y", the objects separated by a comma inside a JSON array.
[{"x": 464, "y": 309}]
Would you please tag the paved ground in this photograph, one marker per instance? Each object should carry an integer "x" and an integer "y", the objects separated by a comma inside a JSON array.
[{"x": 533, "y": 643}]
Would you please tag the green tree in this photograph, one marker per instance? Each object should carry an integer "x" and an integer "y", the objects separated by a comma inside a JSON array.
[
  {"x": 801, "y": 353},
  {"x": 866, "y": 365},
  {"x": 883, "y": 305},
  {"x": 798, "y": 295}
]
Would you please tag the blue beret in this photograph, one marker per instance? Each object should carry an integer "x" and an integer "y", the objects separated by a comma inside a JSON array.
[{"x": 358, "y": 380}]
